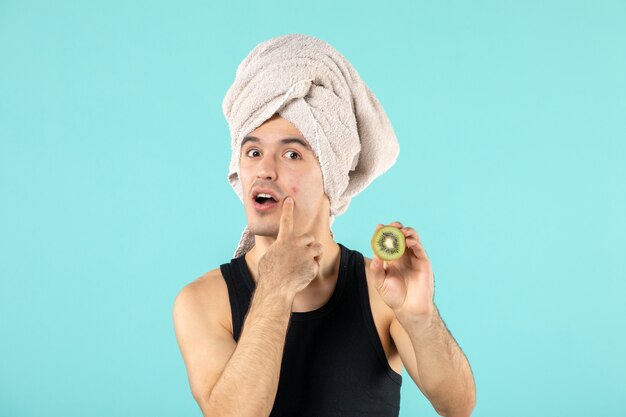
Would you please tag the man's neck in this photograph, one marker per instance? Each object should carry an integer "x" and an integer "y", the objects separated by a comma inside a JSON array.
[{"x": 329, "y": 261}]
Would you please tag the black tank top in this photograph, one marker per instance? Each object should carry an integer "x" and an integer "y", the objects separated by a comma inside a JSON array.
[{"x": 333, "y": 363}]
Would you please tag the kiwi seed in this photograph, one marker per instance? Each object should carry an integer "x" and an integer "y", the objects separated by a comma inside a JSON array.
[{"x": 388, "y": 243}]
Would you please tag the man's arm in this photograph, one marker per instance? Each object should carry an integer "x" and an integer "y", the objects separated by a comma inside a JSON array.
[
  {"x": 229, "y": 379},
  {"x": 430, "y": 354},
  {"x": 245, "y": 383},
  {"x": 437, "y": 364}
]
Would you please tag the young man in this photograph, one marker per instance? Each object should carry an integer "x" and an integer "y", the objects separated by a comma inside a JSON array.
[{"x": 299, "y": 325}]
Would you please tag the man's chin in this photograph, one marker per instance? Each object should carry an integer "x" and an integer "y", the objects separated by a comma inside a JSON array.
[{"x": 267, "y": 231}]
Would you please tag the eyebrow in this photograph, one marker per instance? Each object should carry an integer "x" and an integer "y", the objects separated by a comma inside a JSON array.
[{"x": 285, "y": 141}]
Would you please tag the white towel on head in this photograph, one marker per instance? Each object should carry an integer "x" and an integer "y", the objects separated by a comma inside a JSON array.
[{"x": 310, "y": 84}]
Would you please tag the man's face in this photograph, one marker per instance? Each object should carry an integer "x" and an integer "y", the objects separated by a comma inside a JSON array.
[{"x": 276, "y": 160}]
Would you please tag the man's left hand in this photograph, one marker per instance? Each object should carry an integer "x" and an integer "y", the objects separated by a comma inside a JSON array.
[{"x": 407, "y": 284}]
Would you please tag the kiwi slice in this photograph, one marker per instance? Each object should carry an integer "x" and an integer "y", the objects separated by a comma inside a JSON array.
[{"x": 388, "y": 243}]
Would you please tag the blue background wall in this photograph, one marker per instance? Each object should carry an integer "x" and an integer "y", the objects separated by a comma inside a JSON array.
[{"x": 113, "y": 160}]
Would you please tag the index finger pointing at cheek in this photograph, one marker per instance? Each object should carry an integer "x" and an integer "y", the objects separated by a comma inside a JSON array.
[{"x": 286, "y": 218}]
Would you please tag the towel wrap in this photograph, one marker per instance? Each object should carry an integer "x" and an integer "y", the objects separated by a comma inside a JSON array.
[{"x": 310, "y": 84}]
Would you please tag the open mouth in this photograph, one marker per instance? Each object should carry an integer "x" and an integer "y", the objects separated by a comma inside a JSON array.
[{"x": 264, "y": 201}]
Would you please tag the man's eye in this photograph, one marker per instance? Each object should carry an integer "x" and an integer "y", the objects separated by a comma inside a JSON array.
[
  {"x": 253, "y": 152},
  {"x": 292, "y": 155}
]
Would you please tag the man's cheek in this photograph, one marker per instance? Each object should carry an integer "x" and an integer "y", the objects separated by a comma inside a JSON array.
[{"x": 291, "y": 187}]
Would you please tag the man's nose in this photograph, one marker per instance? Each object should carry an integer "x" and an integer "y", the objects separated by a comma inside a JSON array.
[{"x": 267, "y": 168}]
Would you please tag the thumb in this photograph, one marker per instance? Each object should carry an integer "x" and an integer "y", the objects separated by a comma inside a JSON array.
[{"x": 378, "y": 272}]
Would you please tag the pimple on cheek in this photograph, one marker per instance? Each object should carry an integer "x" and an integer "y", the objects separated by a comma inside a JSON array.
[{"x": 294, "y": 189}]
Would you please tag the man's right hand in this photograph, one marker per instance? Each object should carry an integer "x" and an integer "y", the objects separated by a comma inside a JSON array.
[{"x": 291, "y": 262}]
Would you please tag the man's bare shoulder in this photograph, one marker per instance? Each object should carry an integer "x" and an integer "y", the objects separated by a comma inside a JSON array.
[{"x": 207, "y": 297}]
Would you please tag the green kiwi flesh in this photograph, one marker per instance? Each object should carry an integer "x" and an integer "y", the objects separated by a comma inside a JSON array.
[{"x": 388, "y": 243}]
